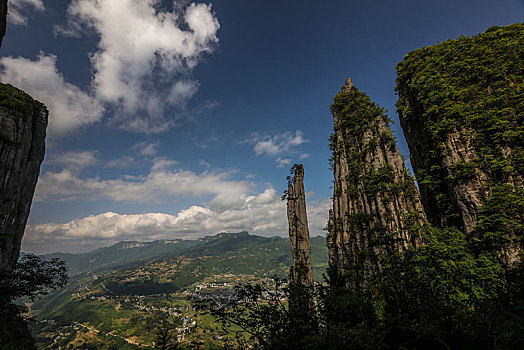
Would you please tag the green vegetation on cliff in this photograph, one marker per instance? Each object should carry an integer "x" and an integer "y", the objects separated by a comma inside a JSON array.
[
  {"x": 475, "y": 83},
  {"x": 466, "y": 97},
  {"x": 17, "y": 100},
  {"x": 356, "y": 113},
  {"x": 376, "y": 208},
  {"x": 356, "y": 116}
]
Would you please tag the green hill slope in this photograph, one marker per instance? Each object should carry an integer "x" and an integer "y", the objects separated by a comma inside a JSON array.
[{"x": 130, "y": 288}]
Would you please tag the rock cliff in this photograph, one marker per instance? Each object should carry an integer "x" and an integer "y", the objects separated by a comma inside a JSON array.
[
  {"x": 301, "y": 273},
  {"x": 3, "y": 19},
  {"x": 23, "y": 123},
  {"x": 461, "y": 106},
  {"x": 376, "y": 207}
]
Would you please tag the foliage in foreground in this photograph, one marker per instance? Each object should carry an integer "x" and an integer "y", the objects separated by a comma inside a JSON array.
[
  {"x": 259, "y": 316},
  {"x": 31, "y": 278},
  {"x": 443, "y": 295},
  {"x": 165, "y": 340}
]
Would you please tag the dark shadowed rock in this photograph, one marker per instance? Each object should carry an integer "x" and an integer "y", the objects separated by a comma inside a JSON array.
[
  {"x": 461, "y": 106},
  {"x": 301, "y": 272},
  {"x": 3, "y": 19},
  {"x": 23, "y": 123}
]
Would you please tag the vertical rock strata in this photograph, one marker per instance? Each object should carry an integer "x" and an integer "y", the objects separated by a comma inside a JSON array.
[
  {"x": 301, "y": 273},
  {"x": 461, "y": 105},
  {"x": 376, "y": 208},
  {"x": 23, "y": 123}
]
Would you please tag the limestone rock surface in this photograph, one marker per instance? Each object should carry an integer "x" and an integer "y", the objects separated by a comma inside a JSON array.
[
  {"x": 461, "y": 108},
  {"x": 23, "y": 123},
  {"x": 376, "y": 206},
  {"x": 301, "y": 273}
]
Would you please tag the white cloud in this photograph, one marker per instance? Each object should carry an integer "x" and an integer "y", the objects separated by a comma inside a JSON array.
[
  {"x": 144, "y": 55},
  {"x": 281, "y": 163},
  {"x": 141, "y": 66},
  {"x": 69, "y": 107},
  {"x": 277, "y": 144},
  {"x": 161, "y": 183},
  {"x": 262, "y": 214},
  {"x": 120, "y": 162},
  {"x": 75, "y": 160},
  {"x": 17, "y": 10},
  {"x": 203, "y": 163},
  {"x": 304, "y": 156},
  {"x": 145, "y": 148}
]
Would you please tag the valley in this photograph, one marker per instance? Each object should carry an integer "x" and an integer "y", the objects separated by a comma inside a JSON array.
[{"x": 124, "y": 306}]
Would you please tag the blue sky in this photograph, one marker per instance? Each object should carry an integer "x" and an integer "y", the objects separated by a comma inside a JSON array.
[{"x": 179, "y": 120}]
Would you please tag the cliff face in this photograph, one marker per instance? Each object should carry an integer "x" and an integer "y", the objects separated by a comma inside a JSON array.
[
  {"x": 3, "y": 19},
  {"x": 23, "y": 123},
  {"x": 461, "y": 105},
  {"x": 376, "y": 208},
  {"x": 301, "y": 272}
]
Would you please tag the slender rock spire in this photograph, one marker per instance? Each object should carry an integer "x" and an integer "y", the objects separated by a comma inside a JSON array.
[{"x": 301, "y": 273}]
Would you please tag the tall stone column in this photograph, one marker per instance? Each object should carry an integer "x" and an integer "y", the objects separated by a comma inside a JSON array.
[
  {"x": 301, "y": 273},
  {"x": 376, "y": 206}
]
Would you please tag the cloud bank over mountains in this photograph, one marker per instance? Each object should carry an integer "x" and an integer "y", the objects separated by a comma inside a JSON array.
[
  {"x": 263, "y": 214},
  {"x": 227, "y": 204},
  {"x": 141, "y": 66}
]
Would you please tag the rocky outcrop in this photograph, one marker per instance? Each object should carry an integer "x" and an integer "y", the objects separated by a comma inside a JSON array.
[
  {"x": 301, "y": 273},
  {"x": 376, "y": 207},
  {"x": 461, "y": 108},
  {"x": 3, "y": 19},
  {"x": 23, "y": 123}
]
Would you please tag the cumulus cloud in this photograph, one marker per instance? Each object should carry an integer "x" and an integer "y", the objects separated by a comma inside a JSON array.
[
  {"x": 203, "y": 163},
  {"x": 17, "y": 11},
  {"x": 145, "y": 148},
  {"x": 120, "y": 162},
  {"x": 161, "y": 183},
  {"x": 141, "y": 66},
  {"x": 69, "y": 107},
  {"x": 144, "y": 55},
  {"x": 304, "y": 156},
  {"x": 75, "y": 160},
  {"x": 262, "y": 214},
  {"x": 277, "y": 144},
  {"x": 283, "y": 162}
]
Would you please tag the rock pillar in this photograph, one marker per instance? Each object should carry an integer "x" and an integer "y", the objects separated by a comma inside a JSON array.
[{"x": 376, "y": 207}]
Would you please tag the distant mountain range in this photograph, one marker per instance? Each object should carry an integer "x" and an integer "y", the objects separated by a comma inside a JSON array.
[
  {"x": 127, "y": 253},
  {"x": 120, "y": 254}
]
